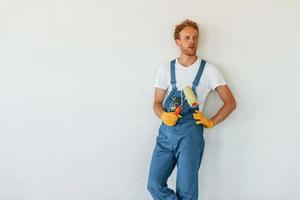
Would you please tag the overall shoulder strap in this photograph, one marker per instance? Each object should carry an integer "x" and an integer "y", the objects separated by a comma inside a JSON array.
[
  {"x": 199, "y": 73},
  {"x": 173, "y": 78}
]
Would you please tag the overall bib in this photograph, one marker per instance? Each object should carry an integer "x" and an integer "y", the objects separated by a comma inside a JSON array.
[{"x": 182, "y": 144}]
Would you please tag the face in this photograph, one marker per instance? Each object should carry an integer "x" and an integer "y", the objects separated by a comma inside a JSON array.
[{"x": 188, "y": 41}]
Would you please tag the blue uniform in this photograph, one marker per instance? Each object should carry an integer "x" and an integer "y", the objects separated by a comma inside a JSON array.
[{"x": 182, "y": 144}]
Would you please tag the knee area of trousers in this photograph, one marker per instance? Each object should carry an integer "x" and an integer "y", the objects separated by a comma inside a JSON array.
[
  {"x": 153, "y": 185},
  {"x": 188, "y": 192}
]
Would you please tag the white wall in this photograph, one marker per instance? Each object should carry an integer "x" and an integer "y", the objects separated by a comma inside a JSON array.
[{"x": 76, "y": 90}]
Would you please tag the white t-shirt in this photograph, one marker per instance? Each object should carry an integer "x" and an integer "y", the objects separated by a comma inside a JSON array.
[{"x": 210, "y": 79}]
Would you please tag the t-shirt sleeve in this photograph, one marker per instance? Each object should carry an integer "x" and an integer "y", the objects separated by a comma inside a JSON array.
[
  {"x": 215, "y": 78},
  {"x": 161, "y": 80}
]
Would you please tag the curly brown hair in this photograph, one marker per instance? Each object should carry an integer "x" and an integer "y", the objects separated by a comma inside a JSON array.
[{"x": 182, "y": 25}]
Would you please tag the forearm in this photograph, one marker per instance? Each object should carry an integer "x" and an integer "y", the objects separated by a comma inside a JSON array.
[
  {"x": 223, "y": 113},
  {"x": 158, "y": 109}
]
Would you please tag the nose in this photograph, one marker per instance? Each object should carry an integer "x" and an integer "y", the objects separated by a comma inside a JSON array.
[{"x": 193, "y": 40}]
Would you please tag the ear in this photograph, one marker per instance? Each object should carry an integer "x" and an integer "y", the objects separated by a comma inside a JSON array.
[{"x": 177, "y": 42}]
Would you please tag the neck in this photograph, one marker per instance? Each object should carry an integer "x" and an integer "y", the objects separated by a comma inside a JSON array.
[{"x": 186, "y": 60}]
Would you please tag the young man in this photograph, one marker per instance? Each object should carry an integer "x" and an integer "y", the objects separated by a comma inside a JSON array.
[{"x": 180, "y": 138}]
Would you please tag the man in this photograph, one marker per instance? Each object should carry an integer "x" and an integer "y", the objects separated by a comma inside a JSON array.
[{"x": 180, "y": 138}]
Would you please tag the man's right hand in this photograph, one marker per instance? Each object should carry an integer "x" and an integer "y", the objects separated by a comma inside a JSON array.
[{"x": 169, "y": 118}]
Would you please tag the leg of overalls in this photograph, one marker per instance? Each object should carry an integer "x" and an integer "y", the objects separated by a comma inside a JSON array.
[
  {"x": 189, "y": 153},
  {"x": 161, "y": 167}
]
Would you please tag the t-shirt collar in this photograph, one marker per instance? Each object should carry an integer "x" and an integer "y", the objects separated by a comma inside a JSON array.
[{"x": 195, "y": 63}]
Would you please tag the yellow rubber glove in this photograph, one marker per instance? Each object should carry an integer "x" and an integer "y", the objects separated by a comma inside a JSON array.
[
  {"x": 201, "y": 119},
  {"x": 169, "y": 118}
]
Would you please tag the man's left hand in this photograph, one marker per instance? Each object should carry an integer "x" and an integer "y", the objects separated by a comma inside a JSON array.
[{"x": 201, "y": 119}]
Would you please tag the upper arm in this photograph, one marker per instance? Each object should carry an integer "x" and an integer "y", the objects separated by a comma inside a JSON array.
[
  {"x": 159, "y": 94},
  {"x": 226, "y": 94}
]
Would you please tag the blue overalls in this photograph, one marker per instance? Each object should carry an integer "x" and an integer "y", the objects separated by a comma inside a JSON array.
[{"x": 182, "y": 144}]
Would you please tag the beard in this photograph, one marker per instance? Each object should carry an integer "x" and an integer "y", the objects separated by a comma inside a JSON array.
[{"x": 189, "y": 51}]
